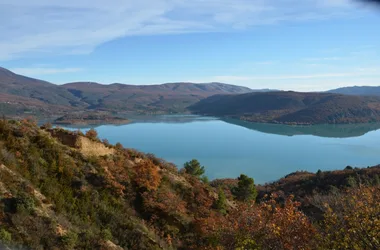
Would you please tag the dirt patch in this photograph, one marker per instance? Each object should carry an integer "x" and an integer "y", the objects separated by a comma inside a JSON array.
[
  {"x": 86, "y": 146},
  {"x": 92, "y": 148}
]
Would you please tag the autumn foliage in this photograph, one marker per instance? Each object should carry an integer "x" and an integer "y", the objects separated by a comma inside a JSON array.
[
  {"x": 92, "y": 134},
  {"x": 268, "y": 225},
  {"x": 52, "y": 196},
  {"x": 352, "y": 220},
  {"x": 147, "y": 175}
]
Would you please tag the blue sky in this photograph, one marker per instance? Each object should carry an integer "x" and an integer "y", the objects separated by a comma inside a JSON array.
[{"x": 303, "y": 45}]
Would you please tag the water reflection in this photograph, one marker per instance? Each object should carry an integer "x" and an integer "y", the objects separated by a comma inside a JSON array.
[{"x": 324, "y": 130}]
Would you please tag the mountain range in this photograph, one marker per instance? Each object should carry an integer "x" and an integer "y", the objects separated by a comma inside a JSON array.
[{"x": 21, "y": 95}]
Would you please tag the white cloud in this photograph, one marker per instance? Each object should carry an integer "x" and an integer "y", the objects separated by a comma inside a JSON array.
[
  {"x": 72, "y": 26},
  {"x": 44, "y": 71}
]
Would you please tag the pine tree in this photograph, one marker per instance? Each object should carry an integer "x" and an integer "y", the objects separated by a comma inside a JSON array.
[
  {"x": 246, "y": 190},
  {"x": 193, "y": 167}
]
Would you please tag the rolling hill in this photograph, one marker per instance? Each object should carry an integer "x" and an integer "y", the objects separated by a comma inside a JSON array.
[
  {"x": 358, "y": 90},
  {"x": 18, "y": 85},
  {"x": 20, "y": 95},
  {"x": 169, "y": 97},
  {"x": 292, "y": 107},
  {"x": 24, "y": 95}
]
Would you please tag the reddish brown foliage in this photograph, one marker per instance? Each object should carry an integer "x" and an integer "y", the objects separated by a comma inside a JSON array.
[
  {"x": 268, "y": 226},
  {"x": 92, "y": 134},
  {"x": 147, "y": 175}
]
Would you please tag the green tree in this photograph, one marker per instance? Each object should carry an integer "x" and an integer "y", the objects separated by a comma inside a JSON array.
[
  {"x": 221, "y": 203},
  {"x": 193, "y": 167},
  {"x": 245, "y": 190}
]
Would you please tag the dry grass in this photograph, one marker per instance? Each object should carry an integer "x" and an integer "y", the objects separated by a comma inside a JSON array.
[{"x": 92, "y": 148}]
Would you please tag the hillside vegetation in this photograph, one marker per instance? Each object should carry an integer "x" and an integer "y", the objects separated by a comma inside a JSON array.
[
  {"x": 67, "y": 190},
  {"x": 89, "y": 118},
  {"x": 292, "y": 107}
]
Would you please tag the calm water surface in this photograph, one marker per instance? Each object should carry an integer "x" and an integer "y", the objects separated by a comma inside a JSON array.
[{"x": 265, "y": 152}]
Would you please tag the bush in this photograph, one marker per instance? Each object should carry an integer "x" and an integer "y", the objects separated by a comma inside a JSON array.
[
  {"x": 147, "y": 175},
  {"x": 106, "y": 234},
  {"x": 69, "y": 240},
  {"x": 5, "y": 236},
  {"x": 25, "y": 203},
  {"x": 92, "y": 134},
  {"x": 221, "y": 203},
  {"x": 118, "y": 146}
]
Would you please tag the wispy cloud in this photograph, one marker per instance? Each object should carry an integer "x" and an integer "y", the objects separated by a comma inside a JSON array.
[
  {"x": 44, "y": 71},
  {"x": 72, "y": 26}
]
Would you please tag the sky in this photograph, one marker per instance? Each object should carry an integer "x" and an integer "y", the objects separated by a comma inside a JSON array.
[{"x": 302, "y": 45}]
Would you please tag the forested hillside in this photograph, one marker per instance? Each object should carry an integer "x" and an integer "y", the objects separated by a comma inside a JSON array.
[
  {"x": 67, "y": 190},
  {"x": 292, "y": 107}
]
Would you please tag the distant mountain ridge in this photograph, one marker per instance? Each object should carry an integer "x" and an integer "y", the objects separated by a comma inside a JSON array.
[
  {"x": 169, "y": 97},
  {"x": 292, "y": 107},
  {"x": 18, "y": 85},
  {"x": 20, "y": 95},
  {"x": 358, "y": 90}
]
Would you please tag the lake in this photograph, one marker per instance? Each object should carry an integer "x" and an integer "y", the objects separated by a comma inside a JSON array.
[{"x": 265, "y": 152}]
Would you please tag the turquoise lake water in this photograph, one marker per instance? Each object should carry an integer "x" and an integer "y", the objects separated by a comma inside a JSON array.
[{"x": 265, "y": 152}]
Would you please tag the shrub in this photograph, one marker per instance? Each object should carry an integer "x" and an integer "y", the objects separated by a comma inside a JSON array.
[
  {"x": 5, "y": 236},
  {"x": 92, "y": 134},
  {"x": 221, "y": 203},
  {"x": 69, "y": 240},
  {"x": 147, "y": 175},
  {"x": 119, "y": 146},
  {"x": 351, "y": 220},
  {"x": 25, "y": 203},
  {"x": 106, "y": 234}
]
